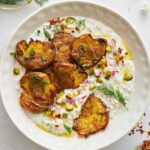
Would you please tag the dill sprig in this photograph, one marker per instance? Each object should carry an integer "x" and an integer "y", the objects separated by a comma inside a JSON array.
[
  {"x": 13, "y": 2},
  {"x": 110, "y": 91}
]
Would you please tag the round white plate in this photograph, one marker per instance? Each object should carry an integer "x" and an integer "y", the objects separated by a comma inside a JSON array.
[{"x": 123, "y": 122}]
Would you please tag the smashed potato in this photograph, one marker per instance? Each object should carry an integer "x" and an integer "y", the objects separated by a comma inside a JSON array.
[
  {"x": 35, "y": 55},
  {"x": 62, "y": 42},
  {"x": 93, "y": 117},
  {"x": 87, "y": 51},
  {"x": 68, "y": 75},
  {"x": 38, "y": 92}
]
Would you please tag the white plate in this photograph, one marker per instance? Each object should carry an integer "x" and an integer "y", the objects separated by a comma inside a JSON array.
[{"x": 123, "y": 122}]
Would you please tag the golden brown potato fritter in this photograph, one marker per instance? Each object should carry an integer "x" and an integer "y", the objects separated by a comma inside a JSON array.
[
  {"x": 38, "y": 92},
  {"x": 93, "y": 117},
  {"x": 35, "y": 55},
  {"x": 62, "y": 42},
  {"x": 68, "y": 75},
  {"x": 87, "y": 51}
]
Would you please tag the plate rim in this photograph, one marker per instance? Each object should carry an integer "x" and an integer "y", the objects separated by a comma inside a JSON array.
[{"x": 65, "y": 2}]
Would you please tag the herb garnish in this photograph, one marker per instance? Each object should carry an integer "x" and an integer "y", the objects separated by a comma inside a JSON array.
[
  {"x": 47, "y": 35},
  {"x": 84, "y": 66},
  {"x": 84, "y": 49},
  {"x": 94, "y": 56},
  {"x": 80, "y": 25},
  {"x": 56, "y": 28},
  {"x": 13, "y": 2},
  {"x": 110, "y": 91},
  {"x": 69, "y": 129},
  {"x": 13, "y": 54},
  {"x": 79, "y": 56},
  {"x": 37, "y": 80}
]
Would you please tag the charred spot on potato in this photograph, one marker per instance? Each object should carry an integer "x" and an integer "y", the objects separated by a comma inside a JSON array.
[
  {"x": 68, "y": 75},
  {"x": 62, "y": 42},
  {"x": 86, "y": 50},
  {"x": 38, "y": 88},
  {"x": 93, "y": 117},
  {"x": 35, "y": 55}
]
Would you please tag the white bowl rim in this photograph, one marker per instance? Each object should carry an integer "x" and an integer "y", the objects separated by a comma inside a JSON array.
[{"x": 64, "y": 2}]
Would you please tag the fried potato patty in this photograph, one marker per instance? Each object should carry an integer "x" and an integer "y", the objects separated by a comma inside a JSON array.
[
  {"x": 87, "y": 51},
  {"x": 68, "y": 75},
  {"x": 38, "y": 92},
  {"x": 35, "y": 55},
  {"x": 93, "y": 117},
  {"x": 62, "y": 42}
]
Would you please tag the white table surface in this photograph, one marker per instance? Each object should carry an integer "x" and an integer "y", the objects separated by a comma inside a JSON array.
[{"x": 10, "y": 137}]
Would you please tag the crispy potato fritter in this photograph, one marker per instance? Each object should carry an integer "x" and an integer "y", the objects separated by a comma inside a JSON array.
[
  {"x": 38, "y": 92},
  {"x": 87, "y": 51},
  {"x": 35, "y": 55},
  {"x": 62, "y": 42},
  {"x": 68, "y": 75},
  {"x": 93, "y": 117}
]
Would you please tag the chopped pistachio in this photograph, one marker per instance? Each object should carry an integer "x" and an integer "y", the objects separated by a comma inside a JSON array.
[
  {"x": 16, "y": 71},
  {"x": 75, "y": 93},
  {"x": 127, "y": 76},
  {"x": 109, "y": 49},
  {"x": 64, "y": 22},
  {"x": 59, "y": 95},
  {"x": 59, "y": 101},
  {"x": 68, "y": 30},
  {"x": 92, "y": 87},
  {"x": 83, "y": 88},
  {"x": 69, "y": 96},
  {"x": 54, "y": 113},
  {"x": 107, "y": 73},
  {"x": 102, "y": 63},
  {"x": 70, "y": 20},
  {"x": 69, "y": 107},
  {"x": 64, "y": 115},
  {"x": 91, "y": 70},
  {"x": 84, "y": 66},
  {"x": 99, "y": 80}
]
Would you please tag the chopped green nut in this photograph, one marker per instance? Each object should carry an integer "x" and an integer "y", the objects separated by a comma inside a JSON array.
[
  {"x": 109, "y": 49},
  {"x": 99, "y": 80},
  {"x": 71, "y": 20},
  {"x": 127, "y": 76},
  {"x": 16, "y": 71},
  {"x": 69, "y": 107},
  {"x": 59, "y": 95},
  {"x": 91, "y": 87},
  {"x": 91, "y": 70},
  {"x": 69, "y": 96}
]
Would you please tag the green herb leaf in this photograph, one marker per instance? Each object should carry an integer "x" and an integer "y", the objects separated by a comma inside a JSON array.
[
  {"x": 69, "y": 129},
  {"x": 84, "y": 66},
  {"x": 47, "y": 35},
  {"x": 84, "y": 49},
  {"x": 79, "y": 56},
  {"x": 94, "y": 56},
  {"x": 80, "y": 24},
  {"x": 56, "y": 28},
  {"x": 37, "y": 80},
  {"x": 110, "y": 91},
  {"x": 13, "y": 54}
]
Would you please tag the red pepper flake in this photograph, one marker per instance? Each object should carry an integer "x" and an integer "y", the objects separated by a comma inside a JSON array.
[
  {"x": 148, "y": 133},
  {"x": 53, "y": 21}
]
